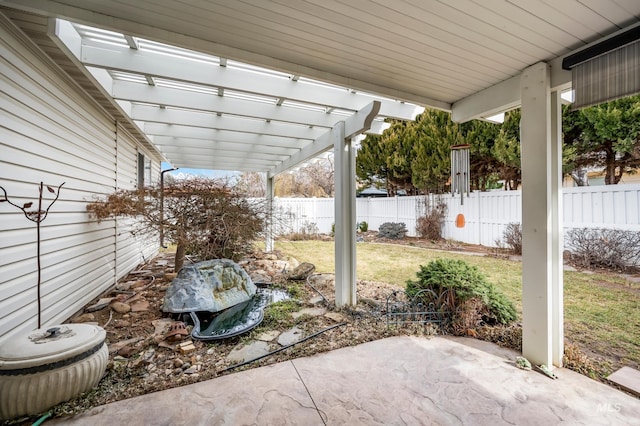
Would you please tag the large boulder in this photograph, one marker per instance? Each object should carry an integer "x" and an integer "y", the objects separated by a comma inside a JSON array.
[{"x": 212, "y": 285}]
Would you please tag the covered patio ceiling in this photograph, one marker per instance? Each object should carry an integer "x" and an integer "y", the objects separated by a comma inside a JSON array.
[{"x": 313, "y": 63}]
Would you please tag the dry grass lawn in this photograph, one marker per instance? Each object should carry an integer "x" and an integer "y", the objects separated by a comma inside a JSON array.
[{"x": 601, "y": 309}]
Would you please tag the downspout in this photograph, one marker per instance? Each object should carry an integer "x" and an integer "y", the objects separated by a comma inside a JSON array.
[{"x": 162, "y": 204}]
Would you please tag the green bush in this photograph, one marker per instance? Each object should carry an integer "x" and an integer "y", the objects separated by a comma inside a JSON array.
[
  {"x": 363, "y": 226},
  {"x": 469, "y": 284}
]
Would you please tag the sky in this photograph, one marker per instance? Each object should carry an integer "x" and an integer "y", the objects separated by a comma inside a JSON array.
[{"x": 183, "y": 173}]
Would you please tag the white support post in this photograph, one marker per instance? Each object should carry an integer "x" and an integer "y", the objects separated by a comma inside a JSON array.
[
  {"x": 542, "y": 322},
  {"x": 557, "y": 239},
  {"x": 345, "y": 217},
  {"x": 269, "y": 246}
]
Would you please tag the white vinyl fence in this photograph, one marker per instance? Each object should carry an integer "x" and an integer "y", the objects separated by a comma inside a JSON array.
[{"x": 486, "y": 214}]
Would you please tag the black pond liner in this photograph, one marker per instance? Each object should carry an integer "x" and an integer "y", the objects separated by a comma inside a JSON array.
[{"x": 237, "y": 319}]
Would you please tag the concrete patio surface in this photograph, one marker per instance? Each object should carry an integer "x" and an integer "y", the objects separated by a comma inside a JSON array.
[{"x": 394, "y": 381}]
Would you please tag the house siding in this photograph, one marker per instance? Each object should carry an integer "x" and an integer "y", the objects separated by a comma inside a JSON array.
[{"x": 52, "y": 132}]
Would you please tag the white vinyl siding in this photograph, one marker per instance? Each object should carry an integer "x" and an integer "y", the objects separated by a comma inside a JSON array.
[
  {"x": 131, "y": 250},
  {"x": 51, "y": 131}
]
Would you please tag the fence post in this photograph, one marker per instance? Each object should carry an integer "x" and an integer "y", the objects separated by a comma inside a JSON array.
[{"x": 479, "y": 220}]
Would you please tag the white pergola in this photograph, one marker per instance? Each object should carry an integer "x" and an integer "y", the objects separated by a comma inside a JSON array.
[{"x": 210, "y": 110}]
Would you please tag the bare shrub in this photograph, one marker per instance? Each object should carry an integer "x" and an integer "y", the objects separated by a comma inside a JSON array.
[
  {"x": 512, "y": 236},
  {"x": 614, "y": 249},
  {"x": 203, "y": 217},
  {"x": 392, "y": 230},
  {"x": 575, "y": 359},
  {"x": 430, "y": 224},
  {"x": 308, "y": 231}
]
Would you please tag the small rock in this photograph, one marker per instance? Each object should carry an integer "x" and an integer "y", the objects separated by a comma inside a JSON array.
[
  {"x": 302, "y": 271},
  {"x": 312, "y": 312},
  {"x": 168, "y": 371},
  {"x": 253, "y": 350},
  {"x": 186, "y": 365},
  {"x": 151, "y": 377},
  {"x": 291, "y": 336},
  {"x": 100, "y": 304},
  {"x": 260, "y": 277},
  {"x": 139, "y": 283},
  {"x": 121, "y": 324},
  {"x": 316, "y": 300},
  {"x": 123, "y": 286},
  {"x": 162, "y": 262},
  {"x": 211, "y": 351},
  {"x": 140, "y": 306},
  {"x": 177, "y": 371},
  {"x": 178, "y": 362},
  {"x": 127, "y": 351},
  {"x": 335, "y": 316},
  {"x": 148, "y": 356},
  {"x": 115, "y": 347},
  {"x": 120, "y": 307},
  {"x": 191, "y": 370},
  {"x": 151, "y": 367},
  {"x": 268, "y": 336},
  {"x": 84, "y": 318}
]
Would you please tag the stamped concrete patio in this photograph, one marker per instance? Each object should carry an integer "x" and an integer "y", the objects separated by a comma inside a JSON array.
[{"x": 398, "y": 380}]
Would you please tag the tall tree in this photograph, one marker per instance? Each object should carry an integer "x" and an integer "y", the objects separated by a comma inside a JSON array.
[
  {"x": 506, "y": 150},
  {"x": 251, "y": 184},
  {"x": 385, "y": 160},
  {"x": 434, "y": 134},
  {"x": 605, "y": 135},
  {"x": 315, "y": 179},
  {"x": 481, "y": 136}
]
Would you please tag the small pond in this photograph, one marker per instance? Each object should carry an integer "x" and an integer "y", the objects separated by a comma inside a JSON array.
[{"x": 237, "y": 319}]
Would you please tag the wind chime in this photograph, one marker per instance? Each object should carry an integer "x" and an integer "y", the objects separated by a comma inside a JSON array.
[{"x": 460, "y": 176}]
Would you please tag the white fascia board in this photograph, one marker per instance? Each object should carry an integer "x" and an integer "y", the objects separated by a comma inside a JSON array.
[
  {"x": 504, "y": 96},
  {"x": 174, "y": 68},
  {"x": 186, "y": 145},
  {"x": 355, "y": 124},
  {"x": 207, "y": 120},
  {"x": 490, "y": 101},
  {"x": 223, "y": 136},
  {"x": 136, "y": 92}
]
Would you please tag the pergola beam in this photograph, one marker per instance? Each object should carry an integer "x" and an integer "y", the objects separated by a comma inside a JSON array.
[
  {"x": 195, "y": 133},
  {"x": 226, "y": 78},
  {"x": 356, "y": 124},
  {"x": 179, "y": 98},
  {"x": 179, "y": 148},
  {"x": 207, "y": 120}
]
